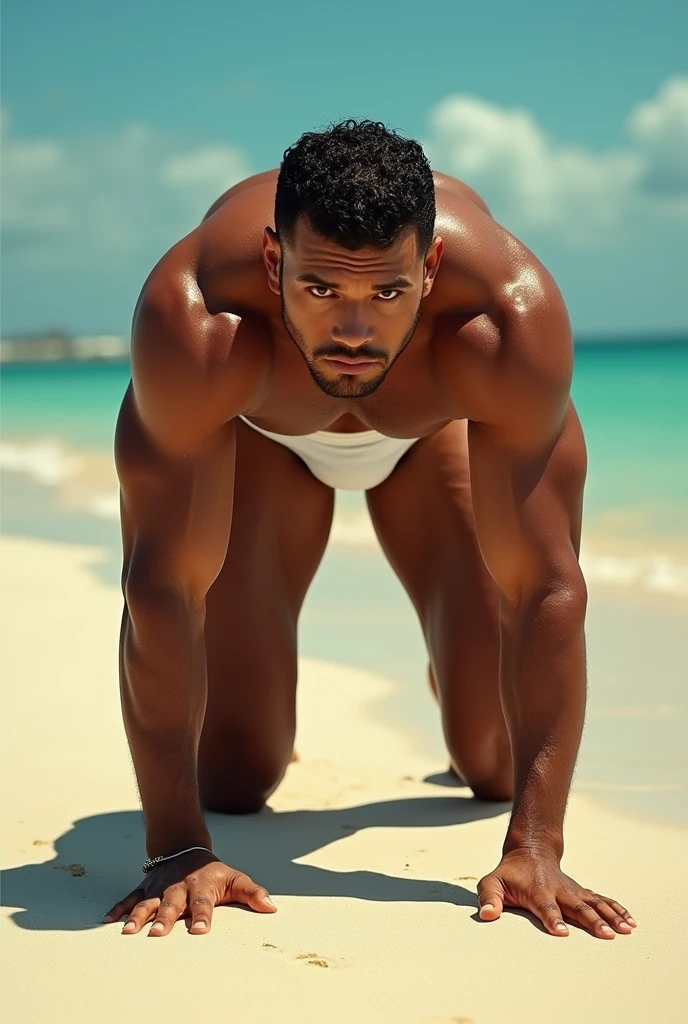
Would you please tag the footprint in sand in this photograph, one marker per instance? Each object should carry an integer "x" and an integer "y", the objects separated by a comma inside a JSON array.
[
  {"x": 314, "y": 959},
  {"x": 75, "y": 870}
]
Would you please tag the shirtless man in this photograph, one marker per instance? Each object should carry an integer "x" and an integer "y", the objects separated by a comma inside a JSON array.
[{"x": 386, "y": 335}]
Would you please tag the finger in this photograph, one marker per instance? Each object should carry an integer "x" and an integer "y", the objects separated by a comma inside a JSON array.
[
  {"x": 140, "y": 915},
  {"x": 172, "y": 906},
  {"x": 583, "y": 914},
  {"x": 243, "y": 889},
  {"x": 609, "y": 915},
  {"x": 123, "y": 907},
  {"x": 545, "y": 906},
  {"x": 621, "y": 911},
  {"x": 490, "y": 898},
  {"x": 201, "y": 910}
]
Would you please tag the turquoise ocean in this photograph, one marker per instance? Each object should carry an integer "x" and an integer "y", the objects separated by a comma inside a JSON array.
[{"x": 632, "y": 398}]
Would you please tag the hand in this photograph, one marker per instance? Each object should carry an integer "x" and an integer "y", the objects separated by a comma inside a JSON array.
[
  {"x": 535, "y": 882},
  {"x": 187, "y": 886}
]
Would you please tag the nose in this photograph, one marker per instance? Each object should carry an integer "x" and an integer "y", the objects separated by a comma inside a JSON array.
[{"x": 353, "y": 331}]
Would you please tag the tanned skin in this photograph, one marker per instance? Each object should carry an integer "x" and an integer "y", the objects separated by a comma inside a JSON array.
[{"x": 223, "y": 528}]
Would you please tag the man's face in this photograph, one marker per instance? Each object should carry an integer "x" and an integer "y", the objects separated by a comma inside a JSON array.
[{"x": 351, "y": 314}]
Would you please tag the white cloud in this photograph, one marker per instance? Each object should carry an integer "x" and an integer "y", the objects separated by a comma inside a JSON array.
[
  {"x": 103, "y": 198},
  {"x": 23, "y": 164},
  {"x": 206, "y": 172},
  {"x": 532, "y": 181},
  {"x": 660, "y": 130}
]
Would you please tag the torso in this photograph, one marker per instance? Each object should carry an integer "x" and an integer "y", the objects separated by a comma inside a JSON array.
[{"x": 440, "y": 375}]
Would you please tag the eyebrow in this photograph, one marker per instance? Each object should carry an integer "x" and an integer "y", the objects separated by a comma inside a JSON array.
[{"x": 398, "y": 282}]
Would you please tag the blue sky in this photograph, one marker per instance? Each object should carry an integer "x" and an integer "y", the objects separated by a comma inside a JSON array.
[{"x": 121, "y": 124}]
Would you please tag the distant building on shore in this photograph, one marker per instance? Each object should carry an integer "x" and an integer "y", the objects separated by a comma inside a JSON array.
[{"x": 57, "y": 346}]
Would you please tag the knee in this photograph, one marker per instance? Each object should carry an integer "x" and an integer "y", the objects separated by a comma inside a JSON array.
[
  {"x": 224, "y": 802},
  {"x": 237, "y": 790},
  {"x": 494, "y": 790},
  {"x": 489, "y": 775}
]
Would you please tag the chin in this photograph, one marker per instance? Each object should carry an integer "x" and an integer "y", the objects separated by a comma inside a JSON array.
[{"x": 343, "y": 386}]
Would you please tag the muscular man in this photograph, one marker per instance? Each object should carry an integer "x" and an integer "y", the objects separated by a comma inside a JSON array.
[{"x": 387, "y": 334}]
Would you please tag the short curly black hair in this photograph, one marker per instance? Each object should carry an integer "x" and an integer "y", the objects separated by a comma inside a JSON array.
[{"x": 358, "y": 184}]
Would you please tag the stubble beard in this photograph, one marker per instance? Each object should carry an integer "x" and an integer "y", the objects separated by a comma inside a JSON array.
[{"x": 345, "y": 386}]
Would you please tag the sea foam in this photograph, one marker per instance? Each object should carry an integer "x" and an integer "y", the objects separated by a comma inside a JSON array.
[
  {"x": 47, "y": 461},
  {"x": 51, "y": 463}
]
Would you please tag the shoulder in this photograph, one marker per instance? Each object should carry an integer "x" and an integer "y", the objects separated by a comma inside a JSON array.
[
  {"x": 186, "y": 380},
  {"x": 515, "y": 358},
  {"x": 241, "y": 213},
  {"x": 447, "y": 187},
  {"x": 229, "y": 265},
  {"x": 532, "y": 371},
  {"x": 173, "y": 329},
  {"x": 268, "y": 178},
  {"x": 524, "y": 322}
]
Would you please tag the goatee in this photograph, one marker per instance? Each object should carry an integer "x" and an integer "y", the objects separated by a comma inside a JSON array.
[{"x": 345, "y": 386}]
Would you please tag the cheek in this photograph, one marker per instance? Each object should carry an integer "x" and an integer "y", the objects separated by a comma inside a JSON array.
[
  {"x": 392, "y": 328},
  {"x": 315, "y": 321},
  {"x": 302, "y": 322}
]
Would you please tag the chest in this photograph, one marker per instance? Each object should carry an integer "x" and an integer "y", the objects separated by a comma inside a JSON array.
[{"x": 421, "y": 391}]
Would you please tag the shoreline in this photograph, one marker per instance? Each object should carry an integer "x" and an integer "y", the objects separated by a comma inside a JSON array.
[
  {"x": 62, "y": 347},
  {"x": 632, "y": 757},
  {"x": 618, "y": 550}
]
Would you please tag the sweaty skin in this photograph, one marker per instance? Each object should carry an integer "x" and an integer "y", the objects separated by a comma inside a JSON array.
[{"x": 223, "y": 528}]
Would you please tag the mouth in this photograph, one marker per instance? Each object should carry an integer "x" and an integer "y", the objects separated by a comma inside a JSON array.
[{"x": 351, "y": 366}]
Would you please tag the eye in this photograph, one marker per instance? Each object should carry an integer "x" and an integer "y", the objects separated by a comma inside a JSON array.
[
  {"x": 390, "y": 291},
  {"x": 321, "y": 288}
]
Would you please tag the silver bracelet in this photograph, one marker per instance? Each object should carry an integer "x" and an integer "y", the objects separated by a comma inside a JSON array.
[{"x": 149, "y": 864}]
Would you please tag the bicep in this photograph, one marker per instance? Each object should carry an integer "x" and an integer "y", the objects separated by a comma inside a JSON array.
[
  {"x": 175, "y": 438},
  {"x": 176, "y": 508},
  {"x": 528, "y": 506}
]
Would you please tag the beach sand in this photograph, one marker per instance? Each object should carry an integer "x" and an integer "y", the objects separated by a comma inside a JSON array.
[{"x": 370, "y": 854}]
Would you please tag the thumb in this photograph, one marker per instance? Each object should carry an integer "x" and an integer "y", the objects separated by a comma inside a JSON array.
[
  {"x": 490, "y": 898},
  {"x": 258, "y": 898},
  {"x": 244, "y": 890}
]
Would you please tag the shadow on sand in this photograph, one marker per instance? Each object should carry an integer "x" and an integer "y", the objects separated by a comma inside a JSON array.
[{"x": 98, "y": 860}]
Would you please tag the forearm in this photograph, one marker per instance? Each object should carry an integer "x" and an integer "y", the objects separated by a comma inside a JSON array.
[
  {"x": 163, "y": 688},
  {"x": 543, "y": 688}
]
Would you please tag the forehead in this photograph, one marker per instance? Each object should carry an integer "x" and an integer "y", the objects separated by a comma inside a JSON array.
[{"x": 310, "y": 251}]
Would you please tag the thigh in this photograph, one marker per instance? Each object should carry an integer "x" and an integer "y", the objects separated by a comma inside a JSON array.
[
  {"x": 280, "y": 526},
  {"x": 423, "y": 516}
]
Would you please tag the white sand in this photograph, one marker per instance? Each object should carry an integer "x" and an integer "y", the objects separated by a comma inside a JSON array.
[{"x": 372, "y": 869}]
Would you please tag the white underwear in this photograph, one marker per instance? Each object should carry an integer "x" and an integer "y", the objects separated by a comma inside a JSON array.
[{"x": 351, "y": 462}]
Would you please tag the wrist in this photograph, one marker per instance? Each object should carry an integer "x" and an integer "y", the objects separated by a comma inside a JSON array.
[
  {"x": 153, "y": 862},
  {"x": 535, "y": 841},
  {"x": 163, "y": 844}
]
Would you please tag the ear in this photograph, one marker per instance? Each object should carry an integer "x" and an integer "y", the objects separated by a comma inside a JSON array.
[
  {"x": 432, "y": 264},
  {"x": 272, "y": 255}
]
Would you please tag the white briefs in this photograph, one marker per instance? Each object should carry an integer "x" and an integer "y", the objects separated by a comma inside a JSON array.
[{"x": 351, "y": 462}]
